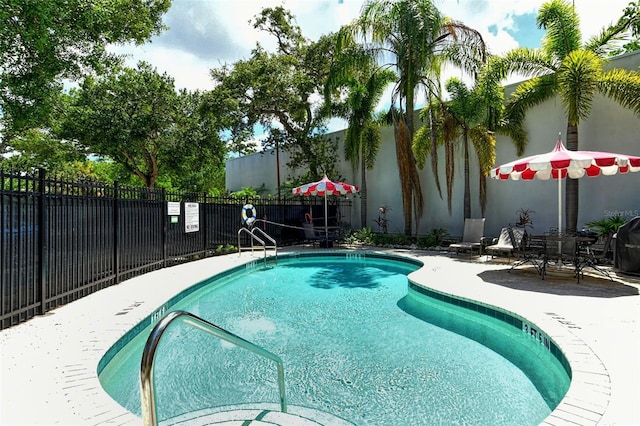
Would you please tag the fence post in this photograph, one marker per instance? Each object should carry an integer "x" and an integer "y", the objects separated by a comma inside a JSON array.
[
  {"x": 204, "y": 224},
  {"x": 165, "y": 228},
  {"x": 42, "y": 241},
  {"x": 116, "y": 232}
]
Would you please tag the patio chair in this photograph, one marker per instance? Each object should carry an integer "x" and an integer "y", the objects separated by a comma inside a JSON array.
[
  {"x": 472, "y": 236},
  {"x": 316, "y": 235},
  {"x": 561, "y": 250},
  {"x": 312, "y": 234},
  {"x": 504, "y": 245},
  {"x": 530, "y": 251}
]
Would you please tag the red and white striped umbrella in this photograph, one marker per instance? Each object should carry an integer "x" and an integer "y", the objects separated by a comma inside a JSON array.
[
  {"x": 323, "y": 188},
  {"x": 563, "y": 162},
  {"x": 560, "y": 163}
]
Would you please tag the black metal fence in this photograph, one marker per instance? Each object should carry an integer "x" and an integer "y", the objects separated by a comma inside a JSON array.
[{"x": 64, "y": 240}]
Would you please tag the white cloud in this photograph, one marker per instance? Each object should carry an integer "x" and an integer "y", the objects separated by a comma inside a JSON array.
[{"x": 207, "y": 33}]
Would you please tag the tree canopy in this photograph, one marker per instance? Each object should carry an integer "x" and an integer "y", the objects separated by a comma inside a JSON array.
[
  {"x": 136, "y": 118},
  {"x": 280, "y": 92},
  {"x": 43, "y": 43}
]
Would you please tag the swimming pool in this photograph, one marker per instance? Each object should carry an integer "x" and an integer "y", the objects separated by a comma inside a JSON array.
[{"x": 357, "y": 341}]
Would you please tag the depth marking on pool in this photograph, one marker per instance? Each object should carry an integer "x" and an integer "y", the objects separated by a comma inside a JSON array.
[
  {"x": 159, "y": 313},
  {"x": 562, "y": 320},
  {"x": 129, "y": 308},
  {"x": 536, "y": 334}
]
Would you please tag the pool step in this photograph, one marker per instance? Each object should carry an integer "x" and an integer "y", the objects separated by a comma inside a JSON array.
[{"x": 255, "y": 415}]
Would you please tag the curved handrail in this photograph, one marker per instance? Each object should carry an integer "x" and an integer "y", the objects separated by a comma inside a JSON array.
[
  {"x": 268, "y": 237},
  {"x": 147, "y": 386},
  {"x": 253, "y": 237}
]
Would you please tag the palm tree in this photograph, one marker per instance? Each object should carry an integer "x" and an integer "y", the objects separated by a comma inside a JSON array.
[
  {"x": 467, "y": 115},
  {"x": 355, "y": 72},
  {"x": 574, "y": 72},
  {"x": 412, "y": 37}
]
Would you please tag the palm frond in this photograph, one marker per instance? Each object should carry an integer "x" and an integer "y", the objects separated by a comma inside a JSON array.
[
  {"x": 560, "y": 20},
  {"x": 522, "y": 61},
  {"x": 484, "y": 144},
  {"x": 606, "y": 42},
  {"x": 516, "y": 132},
  {"x": 611, "y": 38},
  {"x": 623, "y": 86},
  {"x": 352, "y": 144},
  {"x": 421, "y": 146},
  {"x": 577, "y": 80},
  {"x": 462, "y": 46},
  {"x": 370, "y": 140},
  {"x": 528, "y": 94}
]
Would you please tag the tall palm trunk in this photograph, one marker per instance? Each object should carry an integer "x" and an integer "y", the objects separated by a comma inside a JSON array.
[
  {"x": 403, "y": 139},
  {"x": 363, "y": 186},
  {"x": 412, "y": 199},
  {"x": 434, "y": 148},
  {"x": 409, "y": 155},
  {"x": 467, "y": 186},
  {"x": 572, "y": 190}
]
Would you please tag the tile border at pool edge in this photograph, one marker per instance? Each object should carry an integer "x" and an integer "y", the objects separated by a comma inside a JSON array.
[{"x": 590, "y": 389}]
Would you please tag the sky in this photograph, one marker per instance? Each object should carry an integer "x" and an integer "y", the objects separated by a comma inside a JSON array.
[{"x": 205, "y": 34}]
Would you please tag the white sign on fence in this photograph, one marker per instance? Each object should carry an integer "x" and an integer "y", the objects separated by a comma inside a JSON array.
[
  {"x": 191, "y": 217},
  {"x": 173, "y": 208}
]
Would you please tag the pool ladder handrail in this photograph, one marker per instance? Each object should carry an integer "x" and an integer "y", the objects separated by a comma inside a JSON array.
[
  {"x": 253, "y": 237},
  {"x": 147, "y": 385}
]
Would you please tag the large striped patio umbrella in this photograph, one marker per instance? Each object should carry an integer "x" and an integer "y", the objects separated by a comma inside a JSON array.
[
  {"x": 323, "y": 188},
  {"x": 561, "y": 162}
]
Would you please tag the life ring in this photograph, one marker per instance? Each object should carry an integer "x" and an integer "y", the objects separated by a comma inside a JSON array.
[{"x": 249, "y": 214}]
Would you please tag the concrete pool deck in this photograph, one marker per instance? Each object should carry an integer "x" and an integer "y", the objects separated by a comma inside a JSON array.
[{"x": 48, "y": 364}]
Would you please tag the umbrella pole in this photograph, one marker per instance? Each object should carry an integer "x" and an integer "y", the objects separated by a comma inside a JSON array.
[
  {"x": 559, "y": 204},
  {"x": 326, "y": 213},
  {"x": 559, "y": 219}
]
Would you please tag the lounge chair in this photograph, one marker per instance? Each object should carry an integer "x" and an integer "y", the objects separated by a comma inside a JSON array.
[
  {"x": 504, "y": 245},
  {"x": 472, "y": 236}
]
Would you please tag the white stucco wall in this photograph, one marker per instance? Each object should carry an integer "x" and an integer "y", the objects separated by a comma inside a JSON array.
[{"x": 609, "y": 127}]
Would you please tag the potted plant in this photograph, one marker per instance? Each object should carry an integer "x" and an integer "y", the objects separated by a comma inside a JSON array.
[
  {"x": 524, "y": 218},
  {"x": 606, "y": 229}
]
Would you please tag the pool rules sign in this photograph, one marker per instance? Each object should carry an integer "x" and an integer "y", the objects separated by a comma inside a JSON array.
[{"x": 191, "y": 217}]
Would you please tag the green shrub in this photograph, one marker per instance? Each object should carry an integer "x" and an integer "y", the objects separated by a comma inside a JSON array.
[{"x": 434, "y": 238}]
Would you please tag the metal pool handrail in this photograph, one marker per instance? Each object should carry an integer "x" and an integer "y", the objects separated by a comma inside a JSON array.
[
  {"x": 147, "y": 386},
  {"x": 258, "y": 239},
  {"x": 268, "y": 237}
]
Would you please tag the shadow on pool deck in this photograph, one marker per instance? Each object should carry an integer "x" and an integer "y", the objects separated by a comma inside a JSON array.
[{"x": 589, "y": 286}]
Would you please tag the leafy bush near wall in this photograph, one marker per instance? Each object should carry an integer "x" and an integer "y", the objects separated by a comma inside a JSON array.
[
  {"x": 435, "y": 238},
  {"x": 225, "y": 249}
]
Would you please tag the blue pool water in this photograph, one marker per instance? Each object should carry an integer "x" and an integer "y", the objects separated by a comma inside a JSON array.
[{"x": 356, "y": 341}]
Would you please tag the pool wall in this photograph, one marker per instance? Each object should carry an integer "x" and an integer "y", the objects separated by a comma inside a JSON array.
[
  {"x": 528, "y": 328},
  {"x": 516, "y": 339}
]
